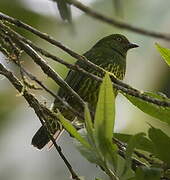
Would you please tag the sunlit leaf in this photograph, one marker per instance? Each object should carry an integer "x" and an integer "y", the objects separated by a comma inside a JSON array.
[
  {"x": 161, "y": 144},
  {"x": 104, "y": 117},
  {"x": 90, "y": 154},
  {"x": 165, "y": 53},
  {"x": 120, "y": 169},
  {"x": 160, "y": 112},
  {"x": 71, "y": 129}
]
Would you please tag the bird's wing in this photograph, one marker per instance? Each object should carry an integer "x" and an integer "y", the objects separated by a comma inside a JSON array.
[{"x": 75, "y": 78}]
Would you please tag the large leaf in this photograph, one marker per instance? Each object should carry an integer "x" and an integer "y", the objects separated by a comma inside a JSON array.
[
  {"x": 144, "y": 143},
  {"x": 90, "y": 154},
  {"x": 121, "y": 163},
  {"x": 165, "y": 53},
  {"x": 161, "y": 144},
  {"x": 160, "y": 112},
  {"x": 104, "y": 117},
  {"x": 72, "y": 130}
]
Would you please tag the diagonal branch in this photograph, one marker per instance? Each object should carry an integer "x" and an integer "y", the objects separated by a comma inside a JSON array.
[
  {"x": 49, "y": 71},
  {"x": 34, "y": 78},
  {"x": 49, "y": 39},
  {"x": 41, "y": 62},
  {"x": 116, "y": 83}
]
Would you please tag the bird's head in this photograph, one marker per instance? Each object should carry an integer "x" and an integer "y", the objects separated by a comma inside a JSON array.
[{"x": 116, "y": 42}]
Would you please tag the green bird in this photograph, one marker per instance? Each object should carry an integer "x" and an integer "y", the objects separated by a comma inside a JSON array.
[{"x": 109, "y": 53}]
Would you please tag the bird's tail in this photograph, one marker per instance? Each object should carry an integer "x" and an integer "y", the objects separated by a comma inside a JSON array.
[{"x": 41, "y": 138}]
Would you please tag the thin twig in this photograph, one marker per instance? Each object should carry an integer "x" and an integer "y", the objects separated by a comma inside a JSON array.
[
  {"x": 143, "y": 156},
  {"x": 34, "y": 78},
  {"x": 41, "y": 62},
  {"x": 65, "y": 104},
  {"x": 135, "y": 162},
  {"x": 116, "y": 23},
  {"x": 123, "y": 146},
  {"x": 59, "y": 150},
  {"x": 40, "y": 110},
  {"x": 49, "y": 71},
  {"x": 96, "y": 15},
  {"x": 50, "y": 39}
]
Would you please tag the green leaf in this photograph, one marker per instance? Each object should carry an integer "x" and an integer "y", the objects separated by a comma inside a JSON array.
[
  {"x": 161, "y": 144},
  {"x": 64, "y": 9},
  {"x": 145, "y": 173},
  {"x": 132, "y": 143},
  {"x": 89, "y": 124},
  {"x": 143, "y": 143},
  {"x": 104, "y": 117},
  {"x": 159, "y": 112},
  {"x": 120, "y": 169},
  {"x": 165, "y": 53},
  {"x": 91, "y": 154},
  {"x": 71, "y": 129}
]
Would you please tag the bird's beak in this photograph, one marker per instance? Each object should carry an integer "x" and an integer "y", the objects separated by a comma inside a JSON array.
[{"x": 132, "y": 45}]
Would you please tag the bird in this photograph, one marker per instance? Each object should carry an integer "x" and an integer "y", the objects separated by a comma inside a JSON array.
[{"x": 108, "y": 53}]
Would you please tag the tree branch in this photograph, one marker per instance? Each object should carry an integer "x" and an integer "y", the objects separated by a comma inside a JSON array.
[
  {"x": 117, "y": 83},
  {"x": 116, "y": 23},
  {"x": 41, "y": 62},
  {"x": 41, "y": 111},
  {"x": 34, "y": 78}
]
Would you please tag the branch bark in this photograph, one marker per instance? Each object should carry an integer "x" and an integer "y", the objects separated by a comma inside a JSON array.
[{"x": 116, "y": 23}]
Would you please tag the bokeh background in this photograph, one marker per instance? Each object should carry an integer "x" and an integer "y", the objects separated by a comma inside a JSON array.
[{"x": 145, "y": 71}]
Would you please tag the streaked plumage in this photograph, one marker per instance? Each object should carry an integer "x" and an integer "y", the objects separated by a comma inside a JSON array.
[{"x": 108, "y": 53}]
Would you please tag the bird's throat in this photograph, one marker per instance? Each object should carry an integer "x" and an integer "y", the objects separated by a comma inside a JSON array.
[{"x": 119, "y": 52}]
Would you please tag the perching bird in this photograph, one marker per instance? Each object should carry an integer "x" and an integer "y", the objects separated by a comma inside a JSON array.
[{"x": 109, "y": 53}]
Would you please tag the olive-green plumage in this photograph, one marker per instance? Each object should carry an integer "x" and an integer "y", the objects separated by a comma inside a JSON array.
[{"x": 108, "y": 53}]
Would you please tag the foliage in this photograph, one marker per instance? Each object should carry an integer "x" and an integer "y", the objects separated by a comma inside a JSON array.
[
  {"x": 165, "y": 53},
  {"x": 159, "y": 112},
  {"x": 144, "y": 157}
]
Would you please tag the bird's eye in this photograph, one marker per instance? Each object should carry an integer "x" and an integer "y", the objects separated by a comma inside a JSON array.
[{"x": 119, "y": 39}]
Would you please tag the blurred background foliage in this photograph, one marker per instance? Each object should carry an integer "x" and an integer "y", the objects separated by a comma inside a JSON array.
[{"x": 145, "y": 71}]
